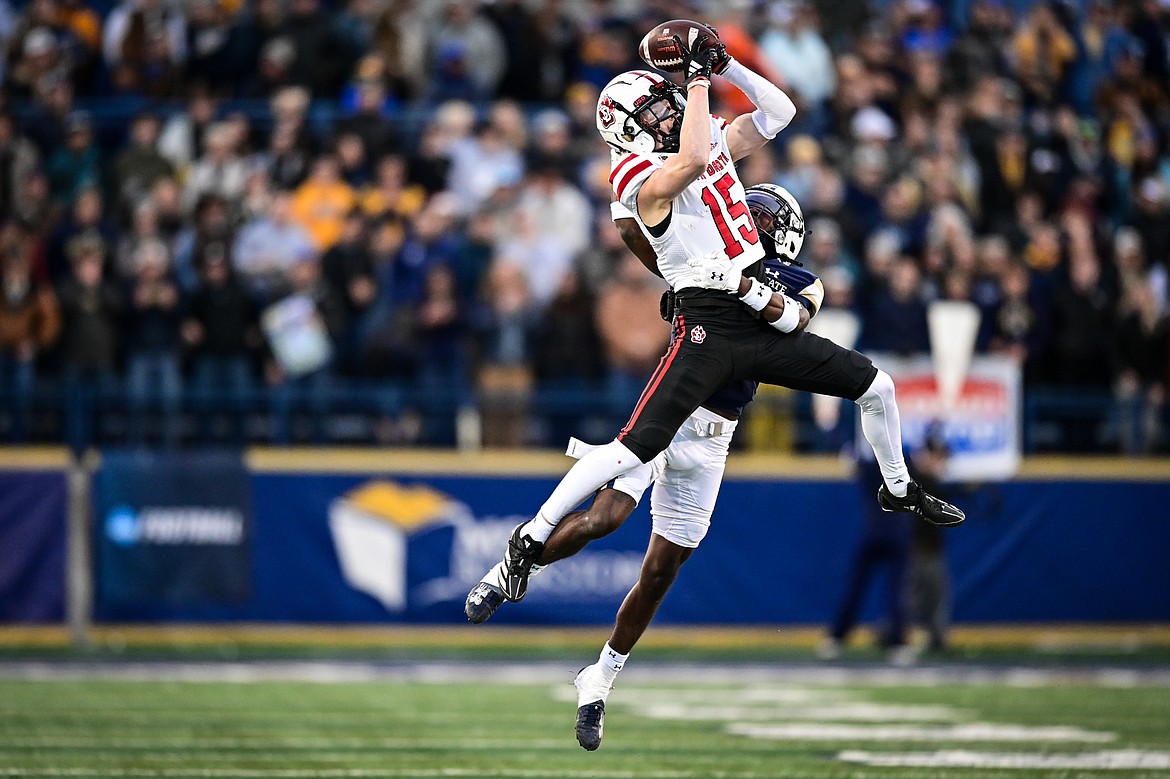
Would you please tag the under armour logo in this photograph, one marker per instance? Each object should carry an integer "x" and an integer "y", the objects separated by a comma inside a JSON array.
[
  {"x": 898, "y": 481},
  {"x": 698, "y": 334},
  {"x": 716, "y": 276}
]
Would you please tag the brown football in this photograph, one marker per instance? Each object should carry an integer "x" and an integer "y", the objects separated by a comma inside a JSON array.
[{"x": 660, "y": 49}]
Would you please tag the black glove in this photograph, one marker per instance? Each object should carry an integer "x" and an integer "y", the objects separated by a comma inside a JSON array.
[
  {"x": 697, "y": 61},
  {"x": 722, "y": 58},
  {"x": 666, "y": 306}
]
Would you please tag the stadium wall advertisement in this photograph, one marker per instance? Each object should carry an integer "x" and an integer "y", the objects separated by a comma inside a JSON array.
[
  {"x": 406, "y": 546},
  {"x": 32, "y": 545}
]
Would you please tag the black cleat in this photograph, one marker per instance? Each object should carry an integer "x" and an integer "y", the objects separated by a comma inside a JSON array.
[
  {"x": 918, "y": 501},
  {"x": 482, "y": 602},
  {"x": 590, "y": 723},
  {"x": 518, "y": 563}
]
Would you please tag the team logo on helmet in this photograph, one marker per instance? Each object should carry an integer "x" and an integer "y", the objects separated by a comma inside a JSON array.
[
  {"x": 698, "y": 334},
  {"x": 605, "y": 112}
]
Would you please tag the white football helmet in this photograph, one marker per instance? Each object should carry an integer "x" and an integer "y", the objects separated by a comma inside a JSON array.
[
  {"x": 632, "y": 108},
  {"x": 778, "y": 219}
]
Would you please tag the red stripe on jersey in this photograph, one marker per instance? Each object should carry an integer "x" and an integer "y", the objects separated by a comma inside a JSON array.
[
  {"x": 656, "y": 377},
  {"x": 630, "y": 174},
  {"x": 621, "y": 164},
  {"x": 722, "y": 121}
]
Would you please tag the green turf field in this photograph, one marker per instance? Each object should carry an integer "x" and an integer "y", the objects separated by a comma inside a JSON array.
[{"x": 694, "y": 721}]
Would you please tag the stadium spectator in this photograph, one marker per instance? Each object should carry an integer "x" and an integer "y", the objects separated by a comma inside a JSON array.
[
  {"x": 504, "y": 376},
  {"x": 221, "y": 170},
  {"x": 389, "y": 194},
  {"x": 222, "y": 332},
  {"x": 632, "y": 332},
  {"x": 794, "y": 47},
  {"x": 29, "y": 324},
  {"x": 1142, "y": 345},
  {"x": 140, "y": 165},
  {"x": 86, "y": 217},
  {"x": 322, "y": 202},
  {"x": 91, "y": 311},
  {"x": 181, "y": 138},
  {"x": 467, "y": 54},
  {"x": 152, "y": 318},
  {"x": 268, "y": 247},
  {"x": 144, "y": 44},
  {"x": 18, "y": 161},
  {"x": 76, "y": 165}
]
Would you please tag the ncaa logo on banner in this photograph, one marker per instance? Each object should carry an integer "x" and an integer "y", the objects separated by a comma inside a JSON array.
[{"x": 698, "y": 334}]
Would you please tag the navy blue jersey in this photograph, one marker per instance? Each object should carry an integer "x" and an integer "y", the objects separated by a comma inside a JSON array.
[{"x": 802, "y": 286}]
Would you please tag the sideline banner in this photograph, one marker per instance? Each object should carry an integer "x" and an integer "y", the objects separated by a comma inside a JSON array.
[
  {"x": 389, "y": 548},
  {"x": 981, "y": 424},
  {"x": 33, "y": 531},
  {"x": 170, "y": 531}
]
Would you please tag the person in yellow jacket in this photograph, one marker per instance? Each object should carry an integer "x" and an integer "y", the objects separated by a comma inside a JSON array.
[{"x": 322, "y": 202}]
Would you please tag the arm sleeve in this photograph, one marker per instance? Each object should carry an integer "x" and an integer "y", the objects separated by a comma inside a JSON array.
[
  {"x": 618, "y": 211},
  {"x": 629, "y": 174},
  {"x": 774, "y": 109}
]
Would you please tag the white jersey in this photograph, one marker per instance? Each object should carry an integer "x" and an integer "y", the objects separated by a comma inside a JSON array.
[{"x": 710, "y": 216}]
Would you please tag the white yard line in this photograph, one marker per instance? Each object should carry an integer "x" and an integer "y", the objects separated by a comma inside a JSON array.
[
  {"x": 971, "y": 731},
  {"x": 1122, "y": 759}
]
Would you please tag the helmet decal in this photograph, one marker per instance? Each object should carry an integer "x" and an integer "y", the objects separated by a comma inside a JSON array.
[{"x": 605, "y": 113}]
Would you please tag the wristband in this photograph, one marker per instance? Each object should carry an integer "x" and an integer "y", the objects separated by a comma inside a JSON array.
[
  {"x": 757, "y": 296},
  {"x": 790, "y": 319}
]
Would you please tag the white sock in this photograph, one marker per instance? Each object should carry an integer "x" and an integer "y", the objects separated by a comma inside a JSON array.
[
  {"x": 583, "y": 479},
  {"x": 881, "y": 425},
  {"x": 495, "y": 575},
  {"x": 610, "y": 663}
]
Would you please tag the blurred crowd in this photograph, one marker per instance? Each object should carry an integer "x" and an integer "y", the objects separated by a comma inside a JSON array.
[{"x": 207, "y": 198}]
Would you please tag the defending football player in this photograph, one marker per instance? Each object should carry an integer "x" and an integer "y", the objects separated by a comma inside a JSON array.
[
  {"x": 686, "y": 476},
  {"x": 676, "y": 175}
]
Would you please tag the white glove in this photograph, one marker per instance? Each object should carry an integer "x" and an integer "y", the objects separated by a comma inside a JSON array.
[{"x": 714, "y": 271}]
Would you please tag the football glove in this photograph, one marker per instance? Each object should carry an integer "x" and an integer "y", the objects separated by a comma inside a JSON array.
[
  {"x": 714, "y": 271},
  {"x": 722, "y": 58},
  {"x": 697, "y": 62}
]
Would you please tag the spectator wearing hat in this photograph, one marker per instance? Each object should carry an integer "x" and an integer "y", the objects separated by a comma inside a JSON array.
[
  {"x": 43, "y": 60},
  {"x": 78, "y": 164},
  {"x": 29, "y": 324},
  {"x": 468, "y": 56},
  {"x": 91, "y": 310}
]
